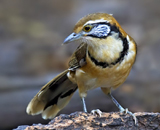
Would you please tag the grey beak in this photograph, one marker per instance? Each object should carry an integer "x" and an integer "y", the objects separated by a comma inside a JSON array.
[{"x": 72, "y": 37}]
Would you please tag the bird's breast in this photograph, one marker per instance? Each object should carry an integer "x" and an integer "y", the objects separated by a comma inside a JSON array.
[{"x": 92, "y": 76}]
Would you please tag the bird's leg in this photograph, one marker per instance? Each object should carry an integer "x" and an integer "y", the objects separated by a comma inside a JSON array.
[
  {"x": 84, "y": 105},
  {"x": 121, "y": 109},
  {"x": 94, "y": 112}
]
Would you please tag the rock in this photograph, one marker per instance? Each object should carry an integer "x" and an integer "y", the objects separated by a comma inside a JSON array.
[{"x": 113, "y": 120}]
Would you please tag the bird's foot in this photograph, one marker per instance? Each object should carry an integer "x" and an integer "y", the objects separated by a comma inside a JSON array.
[
  {"x": 126, "y": 111},
  {"x": 123, "y": 111},
  {"x": 96, "y": 112}
]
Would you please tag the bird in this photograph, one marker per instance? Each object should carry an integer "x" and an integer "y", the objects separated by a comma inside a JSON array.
[{"x": 104, "y": 58}]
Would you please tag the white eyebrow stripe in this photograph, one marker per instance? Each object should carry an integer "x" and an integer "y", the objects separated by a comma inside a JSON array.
[{"x": 95, "y": 21}]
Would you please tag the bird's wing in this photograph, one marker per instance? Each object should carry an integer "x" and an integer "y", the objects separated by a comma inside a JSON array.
[{"x": 78, "y": 58}]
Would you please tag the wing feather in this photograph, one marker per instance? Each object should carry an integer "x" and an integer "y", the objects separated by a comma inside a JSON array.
[
  {"x": 78, "y": 59},
  {"x": 53, "y": 97}
]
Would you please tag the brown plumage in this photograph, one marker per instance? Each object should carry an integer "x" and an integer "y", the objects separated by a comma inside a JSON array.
[
  {"x": 53, "y": 97},
  {"x": 103, "y": 59}
]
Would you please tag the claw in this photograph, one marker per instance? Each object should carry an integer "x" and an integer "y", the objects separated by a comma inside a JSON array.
[
  {"x": 96, "y": 112},
  {"x": 134, "y": 117},
  {"x": 122, "y": 110},
  {"x": 126, "y": 111}
]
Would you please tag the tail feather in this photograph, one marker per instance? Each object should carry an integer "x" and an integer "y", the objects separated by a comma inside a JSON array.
[{"x": 53, "y": 97}]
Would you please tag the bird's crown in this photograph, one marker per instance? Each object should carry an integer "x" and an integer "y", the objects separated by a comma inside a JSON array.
[{"x": 95, "y": 18}]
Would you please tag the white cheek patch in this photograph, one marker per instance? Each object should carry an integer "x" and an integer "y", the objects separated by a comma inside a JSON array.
[{"x": 101, "y": 31}]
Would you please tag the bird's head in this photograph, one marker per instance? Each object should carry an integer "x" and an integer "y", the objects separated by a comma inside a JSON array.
[{"x": 97, "y": 25}]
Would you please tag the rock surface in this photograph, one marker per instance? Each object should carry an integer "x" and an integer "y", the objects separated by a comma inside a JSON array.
[{"x": 86, "y": 121}]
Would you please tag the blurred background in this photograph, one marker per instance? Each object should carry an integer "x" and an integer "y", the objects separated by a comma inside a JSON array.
[{"x": 31, "y": 34}]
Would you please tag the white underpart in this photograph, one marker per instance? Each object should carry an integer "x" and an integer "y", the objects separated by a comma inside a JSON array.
[
  {"x": 130, "y": 52},
  {"x": 128, "y": 38},
  {"x": 91, "y": 81},
  {"x": 96, "y": 21}
]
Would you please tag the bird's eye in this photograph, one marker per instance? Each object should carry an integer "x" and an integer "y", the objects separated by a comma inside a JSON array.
[{"x": 87, "y": 28}]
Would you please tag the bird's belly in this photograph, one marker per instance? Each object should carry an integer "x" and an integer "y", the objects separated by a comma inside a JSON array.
[
  {"x": 93, "y": 77},
  {"x": 86, "y": 80},
  {"x": 89, "y": 81}
]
